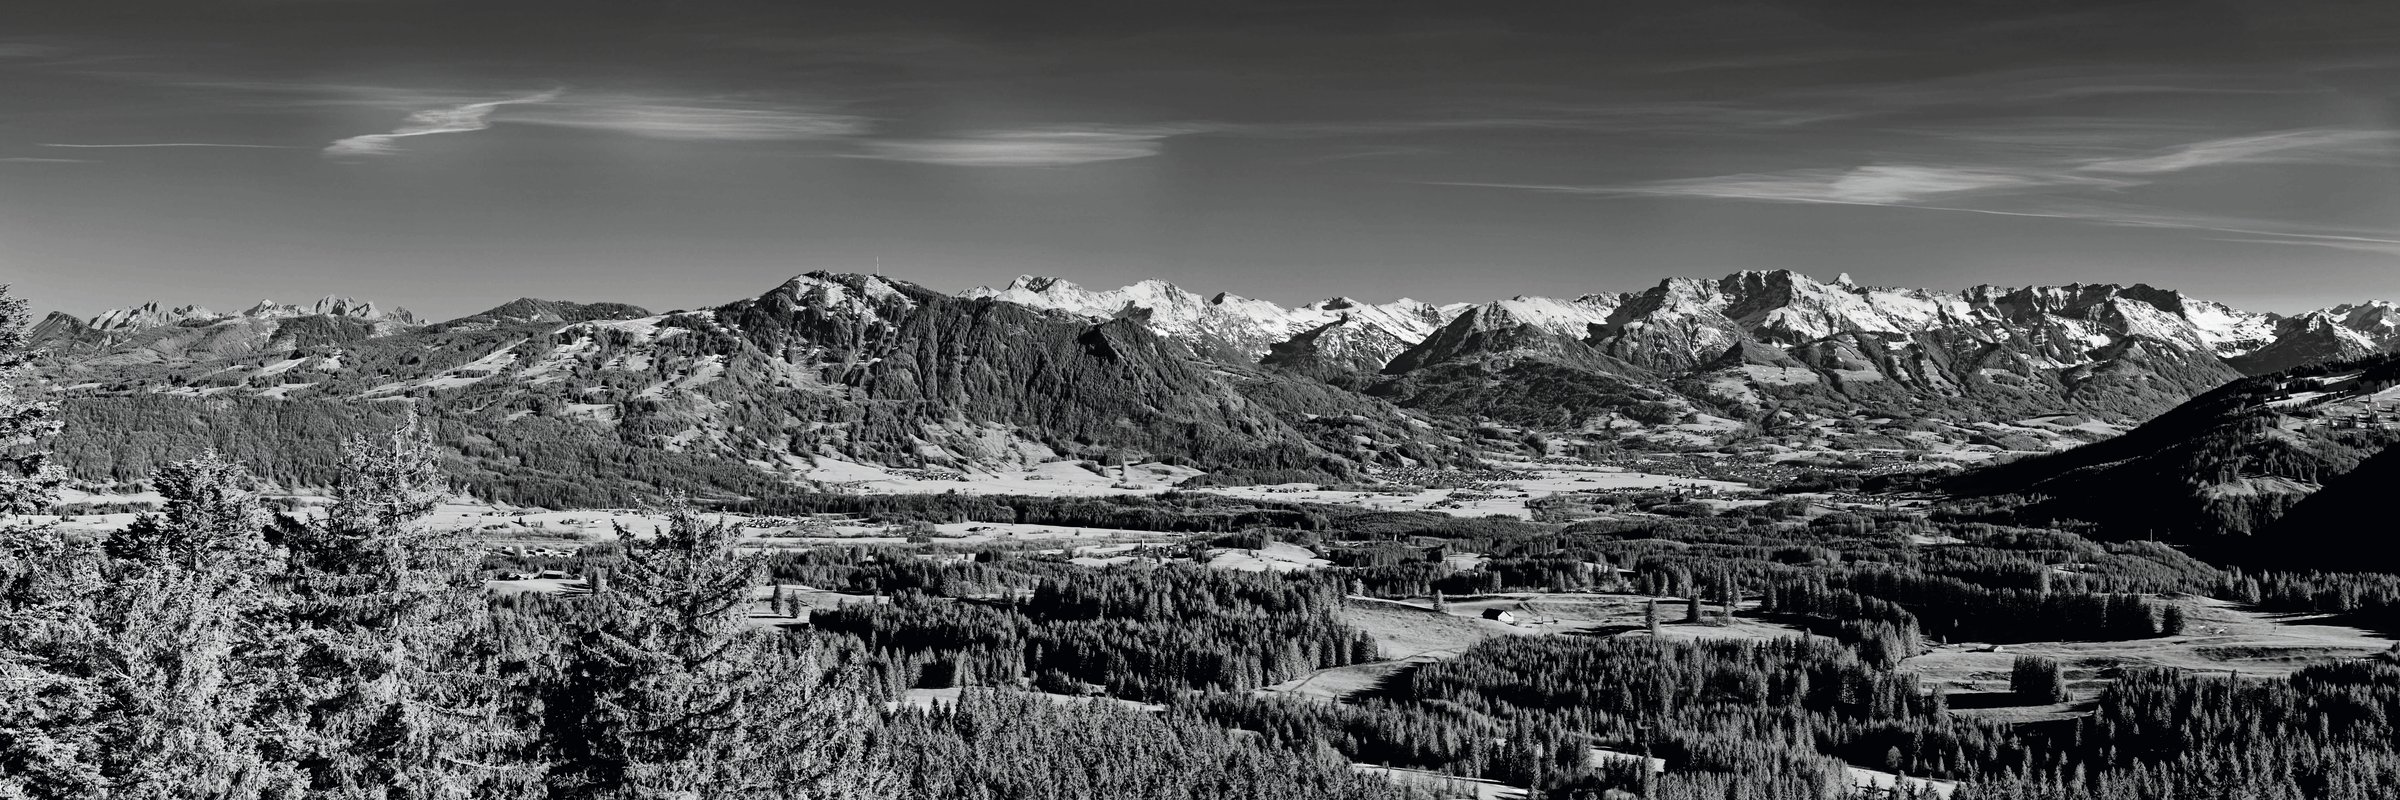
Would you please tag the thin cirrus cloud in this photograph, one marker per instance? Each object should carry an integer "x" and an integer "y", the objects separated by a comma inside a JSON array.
[
  {"x": 171, "y": 144},
  {"x": 454, "y": 119},
  {"x": 2073, "y": 189},
  {"x": 1888, "y": 184},
  {"x": 686, "y": 121},
  {"x": 2284, "y": 147},
  {"x": 1868, "y": 185},
  {"x": 645, "y": 117},
  {"x": 1027, "y": 148}
]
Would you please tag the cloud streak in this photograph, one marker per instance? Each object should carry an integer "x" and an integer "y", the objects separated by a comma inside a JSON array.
[
  {"x": 2285, "y": 147},
  {"x": 172, "y": 144},
  {"x": 1868, "y": 185},
  {"x": 1032, "y": 148},
  {"x": 689, "y": 121},
  {"x": 455, "y": 119},
  {"x": 2047, "y": 190}
]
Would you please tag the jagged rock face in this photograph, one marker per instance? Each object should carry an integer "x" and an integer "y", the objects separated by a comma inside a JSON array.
[
  {"x": 2311, "y": 338},
  {"x": 1521, "y": 327},
  {"x": 2031, "y": 350},
  {"x": 149, "y": 315},
  {"x": 150, "y": 334},
  {"x": 330, "y": 306},
  {"x": 1231, "y": 327},
  {"x": 2378, "y": 321},
  {"x": 1880, "y": 350}
]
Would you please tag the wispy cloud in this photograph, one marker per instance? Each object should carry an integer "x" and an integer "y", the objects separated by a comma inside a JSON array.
[
  {"x": 1031, "y": 148},
  {"x": 2284, "y": 147},
  {"x": 173, "y": 144},
  {"x": 689, "y": 120},
  {"x": 30, "y": 50},
  {"x": 1868, "y": 185},
  {"x": 2077, "y": 189},
  {"x": 454, "y": 119}
]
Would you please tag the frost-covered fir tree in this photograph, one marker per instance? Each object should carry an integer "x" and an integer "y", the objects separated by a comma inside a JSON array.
[
  {"x": 28, "y": 481},
  {"x": 49, "y": 703},
  {"x": 182, "y": 618},
  {"x": 380, "y": 700},
  {"x": 670, "y": 691}
]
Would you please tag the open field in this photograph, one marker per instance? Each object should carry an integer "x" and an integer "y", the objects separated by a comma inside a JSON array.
[
  {"x": 929, "y": 698},
  {"x": 1446, "y": 786},
  {"x": 1505, "y": 497},
  {"x": 2220, "y": 638}
]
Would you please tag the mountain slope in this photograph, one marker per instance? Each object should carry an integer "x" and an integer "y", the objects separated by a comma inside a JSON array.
[
  {"x": 2349, "y": 526},
  {"x": 2229, "y": 462}
]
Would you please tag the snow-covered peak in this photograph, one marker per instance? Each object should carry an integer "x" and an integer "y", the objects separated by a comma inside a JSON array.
[
  {"x": 1223, "y": 322},
  {"x": 1571, "y": 317},
  {"x": 2378, "y": 321},
  {"x": 844, "y": 291}
]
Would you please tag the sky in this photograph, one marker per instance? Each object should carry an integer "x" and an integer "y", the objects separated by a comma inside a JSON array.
[{"x": 448, "y": 156}]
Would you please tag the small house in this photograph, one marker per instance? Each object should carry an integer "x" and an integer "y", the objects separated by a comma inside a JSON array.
[{"x": 1500, "y": 615}]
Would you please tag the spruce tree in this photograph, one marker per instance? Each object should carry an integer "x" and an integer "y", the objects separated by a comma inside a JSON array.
[
  {"x": 49, "y": 702},
  {"x": 180, "y": 623},
  {"x": 667, "y": 690},
  {"x": 377, "y": 702}
]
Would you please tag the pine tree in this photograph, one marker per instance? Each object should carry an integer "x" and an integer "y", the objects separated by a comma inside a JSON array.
[
  {"x": 668, "y": 691},
  {"x": 1650, "y": 616},
  {"x": 49, "y": 702}
]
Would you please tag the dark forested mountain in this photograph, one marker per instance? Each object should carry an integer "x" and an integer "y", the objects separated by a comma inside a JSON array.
[
  {"x": 2229, "y": 462},
  {"x": 2350, "y": 525},
  {"x": 528, "y": 309}
]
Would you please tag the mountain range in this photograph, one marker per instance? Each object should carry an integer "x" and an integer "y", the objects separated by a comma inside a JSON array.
[{"x": 866, "y": 368}]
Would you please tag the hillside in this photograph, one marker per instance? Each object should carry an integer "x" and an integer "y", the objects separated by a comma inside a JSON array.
[
  {"x": 2349, "y": 525},
  {"x": 2229, "y": 462}
]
